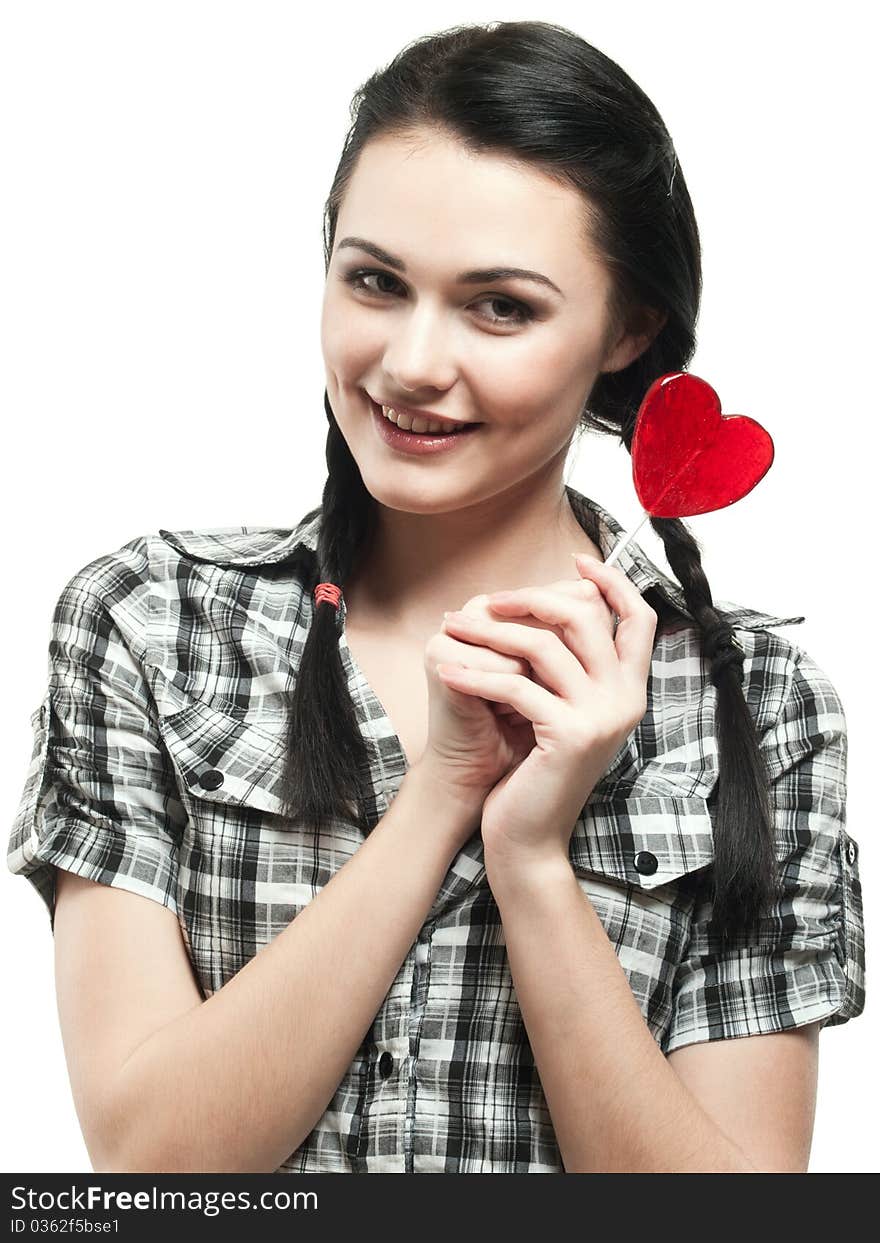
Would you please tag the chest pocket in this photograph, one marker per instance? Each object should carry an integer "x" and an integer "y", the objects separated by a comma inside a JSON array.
[
  {"x": 644, "y": 840},
  {"x": 247, "y": 869},
  {"x": 646, "y": 824},
  {"x": 226, "y": 758}
]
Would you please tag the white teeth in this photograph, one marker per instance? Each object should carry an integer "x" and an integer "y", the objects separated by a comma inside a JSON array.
[{"x": 413, "y": 425}]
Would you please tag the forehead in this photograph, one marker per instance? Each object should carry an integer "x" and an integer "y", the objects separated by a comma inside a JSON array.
[{"x": 427, "y": 195}]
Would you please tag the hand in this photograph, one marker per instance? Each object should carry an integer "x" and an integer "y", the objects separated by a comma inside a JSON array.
[
  {"x": 471, "y": 742},
  {"x": 587, "y": 693}
]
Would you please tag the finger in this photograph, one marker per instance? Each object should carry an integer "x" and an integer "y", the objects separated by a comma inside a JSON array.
[
  {"x": 557, "y": 667},
  {"x": 531, "y": 701},
  {"x": 634, "y": 637},
  {"x": 581, "y": 589},
  {"x": 581, "y": 615},
  {"x": 453, "y": 649},
  {"x": 510, "y": 715}
]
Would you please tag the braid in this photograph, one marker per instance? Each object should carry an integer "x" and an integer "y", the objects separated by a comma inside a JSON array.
[
  {"x": 327, "y": 758},
  {"x": 745, "y": 861}
]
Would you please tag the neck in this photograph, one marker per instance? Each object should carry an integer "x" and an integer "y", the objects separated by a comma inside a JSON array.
[{"x": 419, "y": 565}]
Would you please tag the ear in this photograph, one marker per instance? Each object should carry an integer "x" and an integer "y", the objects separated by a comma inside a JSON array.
[{"x": 633, "y": 343}]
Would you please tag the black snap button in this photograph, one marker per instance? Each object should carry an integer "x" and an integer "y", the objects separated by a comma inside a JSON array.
[
  {"x": 645, "y": 863},
  {"x": 212, "y": 779},
  {"x": 386, "y": 1061},
  {"x": 851, "y": 852}
]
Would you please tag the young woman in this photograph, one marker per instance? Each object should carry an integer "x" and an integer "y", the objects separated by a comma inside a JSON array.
[{"x": 441, "y": 880}]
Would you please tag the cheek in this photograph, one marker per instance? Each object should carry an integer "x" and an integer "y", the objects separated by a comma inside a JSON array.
[
  {"x": 347, "y": 343},
  {"x": 538, "y": 382},
  {"x": 530, "y": 399},
  {"x": 569, "y": 363}
]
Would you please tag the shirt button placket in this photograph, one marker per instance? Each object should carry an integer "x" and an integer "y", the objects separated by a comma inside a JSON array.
[{"x": 418, "y": 1002}]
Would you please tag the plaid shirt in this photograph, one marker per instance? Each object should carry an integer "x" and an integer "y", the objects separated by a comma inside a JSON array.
[{"x": 156, "y": 768}]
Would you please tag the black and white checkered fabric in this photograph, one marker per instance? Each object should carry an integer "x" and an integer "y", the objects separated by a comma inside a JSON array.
[{"x": 174, "y": 657}]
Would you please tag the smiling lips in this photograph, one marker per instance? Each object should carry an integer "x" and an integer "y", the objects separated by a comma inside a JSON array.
[{"x": 421, "y": 421}]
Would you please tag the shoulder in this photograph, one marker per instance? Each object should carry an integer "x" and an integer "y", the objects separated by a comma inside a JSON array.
[
  {"x": 808, "y": 719},
  {"x": 110, "y": 589},
  {"x": 120, "y": 582},
  {"x": 195, "y": 614},
  {"x": 780, "y": 678}
]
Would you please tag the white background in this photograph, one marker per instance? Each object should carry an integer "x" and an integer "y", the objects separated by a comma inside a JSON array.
[{"x": 165, "y": 167}]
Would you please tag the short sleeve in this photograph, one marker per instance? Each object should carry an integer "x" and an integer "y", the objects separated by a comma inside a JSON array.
[
  {"x": 99, "y": 797},
  {"x": 804, "y": 961}
]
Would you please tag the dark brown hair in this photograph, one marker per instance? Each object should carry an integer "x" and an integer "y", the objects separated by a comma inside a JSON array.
[{"x": 541, "y": 94}]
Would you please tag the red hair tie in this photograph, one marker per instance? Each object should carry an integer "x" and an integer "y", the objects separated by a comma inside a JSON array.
[{"x": 328, "y": 591}]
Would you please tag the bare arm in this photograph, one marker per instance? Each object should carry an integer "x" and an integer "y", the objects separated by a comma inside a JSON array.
[{"x": 236, "y": 1083}]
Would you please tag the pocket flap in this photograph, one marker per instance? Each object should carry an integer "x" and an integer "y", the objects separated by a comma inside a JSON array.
[
  {"x": 226, "y": 757},
  {"x": 646, "y": 840}
]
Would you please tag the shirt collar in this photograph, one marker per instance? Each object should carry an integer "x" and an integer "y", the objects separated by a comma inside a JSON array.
[
  {"x": 246, "y": 546},
  {"x": 250, "y": 547}
]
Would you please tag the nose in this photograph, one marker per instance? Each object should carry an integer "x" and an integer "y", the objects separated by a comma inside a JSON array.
[{"x": 417, "y": 355}]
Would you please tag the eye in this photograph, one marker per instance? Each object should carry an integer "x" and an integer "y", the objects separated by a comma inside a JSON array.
[
  {"x": 522, "y": 313},
  {"x": 357, "y": 279}
]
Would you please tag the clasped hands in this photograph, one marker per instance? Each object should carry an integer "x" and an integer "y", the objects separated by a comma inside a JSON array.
[{"x": 588, "y": 692}]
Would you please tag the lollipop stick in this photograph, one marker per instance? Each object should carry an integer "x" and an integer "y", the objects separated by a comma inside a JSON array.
[{"x": 625, "y": 539}]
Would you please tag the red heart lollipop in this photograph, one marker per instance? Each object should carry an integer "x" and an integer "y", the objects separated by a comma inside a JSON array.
[{"x": 687, "y": 457}]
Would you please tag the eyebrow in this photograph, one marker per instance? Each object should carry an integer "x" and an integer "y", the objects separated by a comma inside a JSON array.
[{"x": 477, "y": 276}]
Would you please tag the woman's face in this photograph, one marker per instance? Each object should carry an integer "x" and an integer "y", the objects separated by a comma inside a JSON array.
[{"x": 517, "y": 355}]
